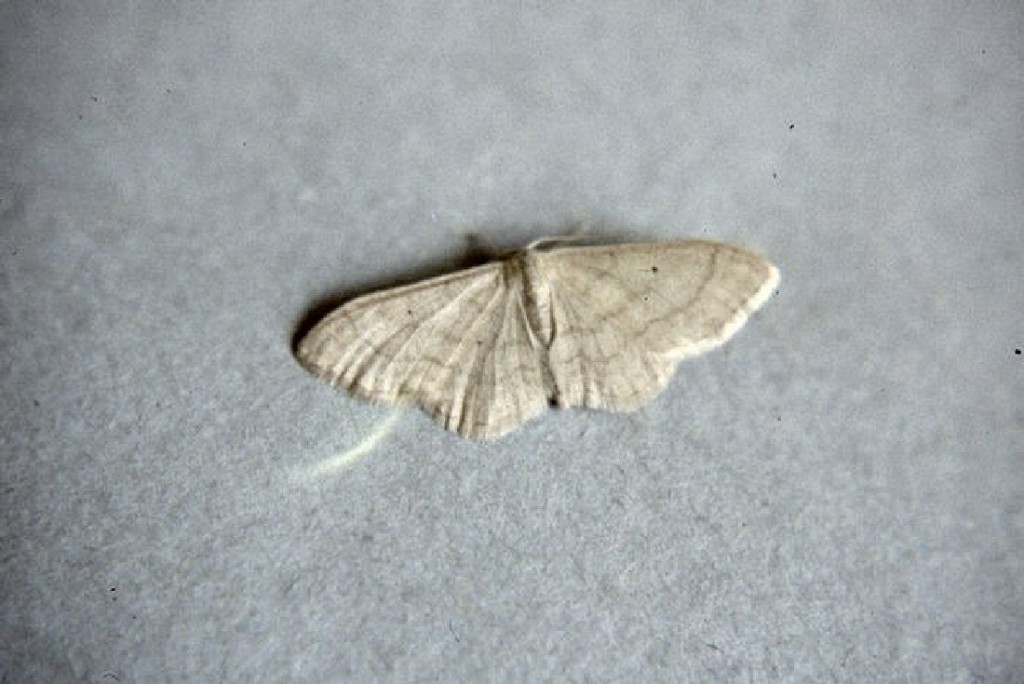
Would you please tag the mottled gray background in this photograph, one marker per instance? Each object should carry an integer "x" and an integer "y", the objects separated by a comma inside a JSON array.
[{"x": 838, "y": 495}]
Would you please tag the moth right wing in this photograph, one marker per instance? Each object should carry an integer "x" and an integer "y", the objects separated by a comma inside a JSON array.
[
  {"x": 458, "y": 346},
  {"x": 625, "y": 315}
]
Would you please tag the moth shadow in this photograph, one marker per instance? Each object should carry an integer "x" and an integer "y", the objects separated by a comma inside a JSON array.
[{"x": 479, "y": 250}]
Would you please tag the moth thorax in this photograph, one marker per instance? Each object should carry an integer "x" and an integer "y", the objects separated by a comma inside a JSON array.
[{"x": 536, "y": 293}]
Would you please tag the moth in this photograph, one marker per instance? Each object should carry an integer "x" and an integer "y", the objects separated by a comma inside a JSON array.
[{"x": 486, "y": 349}]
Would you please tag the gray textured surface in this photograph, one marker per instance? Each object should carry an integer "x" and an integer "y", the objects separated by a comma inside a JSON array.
[{"x": 836, "y": 495}]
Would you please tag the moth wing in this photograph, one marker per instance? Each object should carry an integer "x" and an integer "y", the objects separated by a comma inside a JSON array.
[
  {"x": 457, "y": 346},
  {"x": 623, "y": 316}
]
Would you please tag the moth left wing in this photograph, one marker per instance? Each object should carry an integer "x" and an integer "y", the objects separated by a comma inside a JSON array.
[{"x": 457, "y": 346}]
